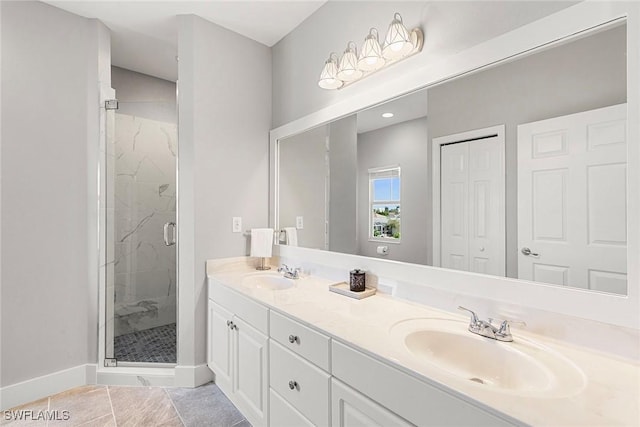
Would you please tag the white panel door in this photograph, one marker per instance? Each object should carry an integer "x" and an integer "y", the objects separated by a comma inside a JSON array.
[
  {"x": 572, "y": 200},
  {"x": 250, "y": 373},
  {"x": 473, "y": 206}
]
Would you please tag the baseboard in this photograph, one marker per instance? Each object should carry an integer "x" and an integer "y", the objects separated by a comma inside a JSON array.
[
  {"x": 136, "y": 376},
  {"x": 193, "y": 376},
  {"x": 37, "y": 388}
]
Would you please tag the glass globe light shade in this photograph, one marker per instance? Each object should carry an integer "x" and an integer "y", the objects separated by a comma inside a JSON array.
[
  {"x": 398, "y": 42},
  {"x": 348, "y": 68},
  {"x": 329, "y": 75},
  {"x": 371, "y": 54}
]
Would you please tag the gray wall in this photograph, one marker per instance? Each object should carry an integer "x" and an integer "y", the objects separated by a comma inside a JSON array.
[
  {"x": 404, "y": 144},
  {"x": 145, "y": 96},
  {"x": 50, "y": 88},
  {"x": 343, "y": 178},
  {"x": 303, "y": 175},
  {"x": 449, "y": 26},
  {"x": 224, "y": 122},
  {"x": 583, "y": 75}
]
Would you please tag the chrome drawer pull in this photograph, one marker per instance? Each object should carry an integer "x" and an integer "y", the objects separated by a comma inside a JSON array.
[
  {"x": 294, "y": 338},
  {"x": 293, "y": 385}
]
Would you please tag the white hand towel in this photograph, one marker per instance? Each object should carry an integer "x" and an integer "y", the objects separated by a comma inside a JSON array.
[
  {"x": 291, "y": 236},
  {"x": 261, "y": 242}
]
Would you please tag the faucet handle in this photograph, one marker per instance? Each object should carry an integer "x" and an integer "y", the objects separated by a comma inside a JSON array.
[
  {"x": 283, "y": 267},
  {"x": 505, "y": 326},
  {"x": 474, "y": 317}
]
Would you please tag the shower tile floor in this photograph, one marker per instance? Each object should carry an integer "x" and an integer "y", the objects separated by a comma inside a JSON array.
[
  {"x": 155, "y": 345},
  {"x": 100, "y": 405}
]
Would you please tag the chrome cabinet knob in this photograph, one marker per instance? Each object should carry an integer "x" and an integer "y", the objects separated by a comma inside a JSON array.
[
  {"x": 293, "y": 338},
  {"x": 293, "y": 385}
]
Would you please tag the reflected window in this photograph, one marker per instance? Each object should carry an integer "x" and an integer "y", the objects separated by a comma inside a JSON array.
[{"x": 384, "y": 204}]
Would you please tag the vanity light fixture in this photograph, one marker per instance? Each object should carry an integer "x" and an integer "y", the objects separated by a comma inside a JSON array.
[
  {"x": 387, "y": 115},
  {"x": 399, "y": 44}
]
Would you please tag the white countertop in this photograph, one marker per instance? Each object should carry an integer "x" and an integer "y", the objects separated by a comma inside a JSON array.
[{"x": 611, "y": 392}]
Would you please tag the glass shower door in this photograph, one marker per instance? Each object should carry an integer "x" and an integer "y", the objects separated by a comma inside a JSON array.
[{"x": 140, "y": 237}]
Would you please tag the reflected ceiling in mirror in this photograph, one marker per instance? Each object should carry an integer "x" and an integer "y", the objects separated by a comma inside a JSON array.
[{"x": 517, "y": 170}]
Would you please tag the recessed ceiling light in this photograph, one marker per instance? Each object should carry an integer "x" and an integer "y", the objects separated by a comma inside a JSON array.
[{"x": 387, "y": 115}]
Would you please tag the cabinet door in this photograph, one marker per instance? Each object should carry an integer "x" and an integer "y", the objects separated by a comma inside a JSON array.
[
  {"x": 282, "y": 414},
  {"x": 219, "y": 345},
  {"x": 351, "y": 409},
  {"x": 250, "y": 383}
]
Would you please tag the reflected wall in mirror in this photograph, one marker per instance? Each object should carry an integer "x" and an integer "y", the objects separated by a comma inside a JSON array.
[{"x": 556, "y": 172}]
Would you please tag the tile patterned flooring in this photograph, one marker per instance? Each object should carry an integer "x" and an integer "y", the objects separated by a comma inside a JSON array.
[
  {"x": 111, "y": 406},
  {"x": 150, "y": 345}
]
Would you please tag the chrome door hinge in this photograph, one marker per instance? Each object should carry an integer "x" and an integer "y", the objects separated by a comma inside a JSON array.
[{"x": 111, "y": 104}]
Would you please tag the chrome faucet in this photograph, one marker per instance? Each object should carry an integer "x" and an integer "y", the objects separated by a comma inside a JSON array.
[
  {"x": 289, "y": 273},
  {"x": 487, "y": 329}
]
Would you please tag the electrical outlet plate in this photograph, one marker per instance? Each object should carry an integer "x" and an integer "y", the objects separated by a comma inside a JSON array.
[
  {"x": 299, "y": 223},
  {"x": 110, "y": 363},
  {"x": 237, "y": 224}
]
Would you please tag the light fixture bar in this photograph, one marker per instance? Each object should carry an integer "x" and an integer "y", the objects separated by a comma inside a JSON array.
[{"x": 399, "y": 45}]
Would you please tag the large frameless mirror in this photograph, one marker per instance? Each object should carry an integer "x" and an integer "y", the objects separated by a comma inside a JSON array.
[{"x": 516, "y": 170}]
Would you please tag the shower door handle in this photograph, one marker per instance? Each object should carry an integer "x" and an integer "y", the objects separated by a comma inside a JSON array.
[{"x": 169, "y": 231}]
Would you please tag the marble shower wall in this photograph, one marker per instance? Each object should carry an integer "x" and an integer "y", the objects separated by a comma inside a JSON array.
[{"x": 144, "y": 199}]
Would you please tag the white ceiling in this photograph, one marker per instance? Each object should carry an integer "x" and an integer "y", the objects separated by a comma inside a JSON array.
[
  {"x": 405, "y": 108},
  {"x": 144, "y": 33}
]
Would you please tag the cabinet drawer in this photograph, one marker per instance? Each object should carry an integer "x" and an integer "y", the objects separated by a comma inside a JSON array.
[
  {"x": 407, "y": 396},
  {"x": 300, "y": 339},
  {"x": 282, "y": 414},
  {"x": 250, "y": 311},
  {"x": 303, "y": 385}
]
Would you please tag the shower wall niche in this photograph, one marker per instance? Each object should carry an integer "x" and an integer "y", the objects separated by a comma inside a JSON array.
[{"x": 141, "y": 212}]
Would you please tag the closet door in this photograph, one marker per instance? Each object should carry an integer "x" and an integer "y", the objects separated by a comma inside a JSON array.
[
  {"x": 455, "y": 206},
  {"x": 473, "y": 206}
]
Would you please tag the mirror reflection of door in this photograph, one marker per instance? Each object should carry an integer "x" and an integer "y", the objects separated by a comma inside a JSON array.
[
  {"x": 472, "y": 202},
  {"x": 570, "y": 166}
]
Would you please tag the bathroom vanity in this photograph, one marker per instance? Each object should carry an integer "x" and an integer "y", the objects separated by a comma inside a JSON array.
[{"x": 290, "y": 352}]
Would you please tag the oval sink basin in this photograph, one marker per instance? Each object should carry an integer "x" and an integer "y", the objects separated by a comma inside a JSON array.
[
  {"x": 268, "y": 281},
  {"x": 520, "y": 367}
]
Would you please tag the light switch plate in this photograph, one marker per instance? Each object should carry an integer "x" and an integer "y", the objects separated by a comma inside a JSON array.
[
  {"x": 237, "y": 224},
  {"x": 299, "y": 223}
]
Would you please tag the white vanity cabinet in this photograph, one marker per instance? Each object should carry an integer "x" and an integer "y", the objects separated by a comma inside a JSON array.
[
  {"x": 414, "y": 400},
  {"x": 282, "y": 372},
  {"x": 237, "y": 351},
  {"x": 299, "y": 374}
]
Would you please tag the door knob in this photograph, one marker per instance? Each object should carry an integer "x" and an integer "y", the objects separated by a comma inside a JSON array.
[
  {"x": 527, "y": 252},
  {"x": 293, "y": 385}
]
